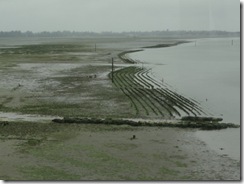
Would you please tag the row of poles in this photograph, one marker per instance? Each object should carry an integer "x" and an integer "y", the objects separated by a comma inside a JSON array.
[{"x": 112, "y": 63}]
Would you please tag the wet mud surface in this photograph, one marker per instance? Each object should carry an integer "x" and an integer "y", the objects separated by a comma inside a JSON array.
[
  {"x": 107, "y": 152},
  {"x": 68, "y": 78}
]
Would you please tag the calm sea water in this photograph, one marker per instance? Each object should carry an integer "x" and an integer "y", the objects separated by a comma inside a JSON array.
[{"x": 208, "y": 71}]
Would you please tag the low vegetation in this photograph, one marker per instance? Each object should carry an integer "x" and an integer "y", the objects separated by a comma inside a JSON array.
[{"x": 204, "y": 125}]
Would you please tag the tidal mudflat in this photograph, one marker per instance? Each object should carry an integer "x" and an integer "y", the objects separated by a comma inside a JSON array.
[
  {"x": 48, "y": 151},
  {"x": 213, "y": 80},
  {"x": 71, "y": 78}
]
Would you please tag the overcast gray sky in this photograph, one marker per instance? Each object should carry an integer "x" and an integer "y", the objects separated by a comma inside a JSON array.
[{"x": 119, "y": 15}]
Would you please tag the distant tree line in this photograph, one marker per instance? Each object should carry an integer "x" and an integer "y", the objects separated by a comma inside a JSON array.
[{"x": 166, "y": 33}]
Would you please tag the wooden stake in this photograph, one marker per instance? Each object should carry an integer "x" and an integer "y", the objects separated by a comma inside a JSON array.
[{"x": 112, "y": 70}]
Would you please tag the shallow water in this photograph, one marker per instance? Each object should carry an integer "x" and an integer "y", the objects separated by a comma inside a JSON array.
[
  {"x": 225, "y": 142},
  {"x": 10, "y": 116},
  {"x": 208, "y": 71}
]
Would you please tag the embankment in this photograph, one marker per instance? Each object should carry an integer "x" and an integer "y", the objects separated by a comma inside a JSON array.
[{"x": 204, "y": 125}]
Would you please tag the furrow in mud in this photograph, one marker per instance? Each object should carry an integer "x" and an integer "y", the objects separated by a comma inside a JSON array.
[{"x": 150, "y": 97}]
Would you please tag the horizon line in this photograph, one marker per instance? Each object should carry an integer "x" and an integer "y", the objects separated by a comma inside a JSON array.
[{"x": 99, "y": 32}]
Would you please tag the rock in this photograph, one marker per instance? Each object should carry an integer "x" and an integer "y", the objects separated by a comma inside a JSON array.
[
  {"x": 204, "y": 125},
  {"x": 195, "y": 118},
  {"x": 4, "y": 123},
  {"x": 133, "y": 137}
]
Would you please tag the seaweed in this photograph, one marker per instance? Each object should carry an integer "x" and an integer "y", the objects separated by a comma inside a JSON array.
[{"x": 203, "y": 125}]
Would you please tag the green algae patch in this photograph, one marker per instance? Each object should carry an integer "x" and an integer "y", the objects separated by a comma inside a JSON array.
[
  {"x": 47, "y": 173},
  {"x": 204, "y": 125}
]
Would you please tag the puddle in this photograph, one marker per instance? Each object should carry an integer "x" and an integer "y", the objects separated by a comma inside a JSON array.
[
  {"x": 81, "y": 53},
  {"x": 9, "y": 116},
  {"x": 152, "y": 120},
  {"x": 225, "y": 142}
]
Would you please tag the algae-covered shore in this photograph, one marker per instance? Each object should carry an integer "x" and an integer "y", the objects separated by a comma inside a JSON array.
[{"x": 71, "y": 78}]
